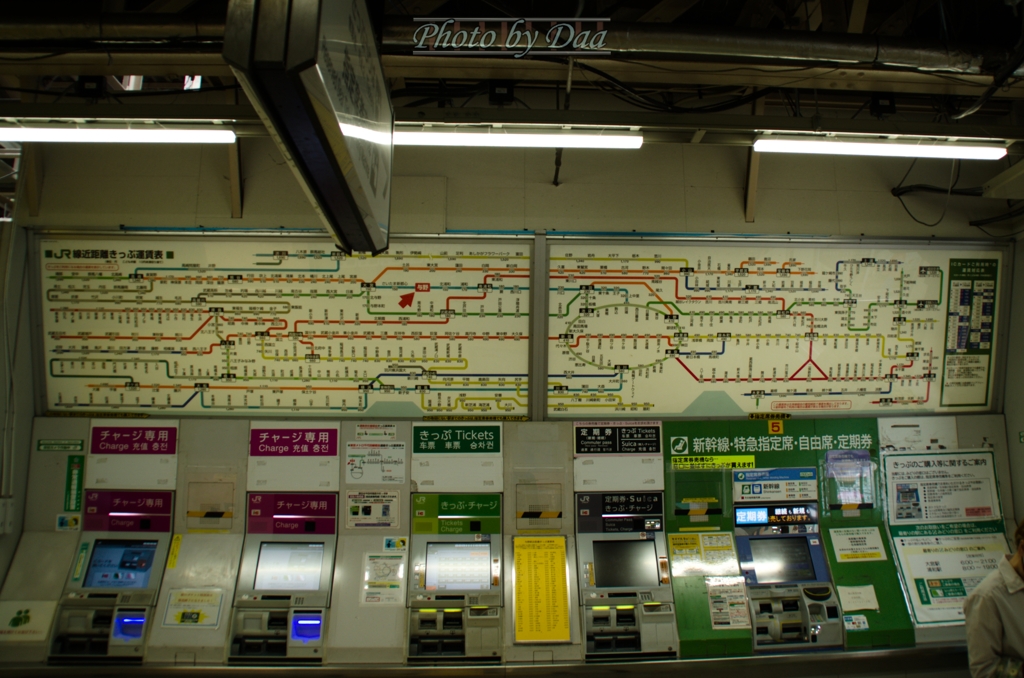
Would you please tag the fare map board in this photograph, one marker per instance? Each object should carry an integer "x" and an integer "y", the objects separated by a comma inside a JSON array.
[
  {"x": 223, "y": 327},
  {"x": 696, "y": 331}
]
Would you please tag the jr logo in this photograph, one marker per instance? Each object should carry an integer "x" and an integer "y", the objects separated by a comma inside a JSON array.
[{"x": 680, "y": 444}]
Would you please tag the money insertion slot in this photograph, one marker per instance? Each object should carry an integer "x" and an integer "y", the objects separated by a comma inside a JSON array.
[
  {"x": 625, "y": 618},
  {"x": 452, "y": 620},
  {"x": 791, "y": 605},
  {"x": 277, "y": 621}
]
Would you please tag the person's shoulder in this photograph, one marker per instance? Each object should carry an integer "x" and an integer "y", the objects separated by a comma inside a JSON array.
[{"x": 988, "y": 586}]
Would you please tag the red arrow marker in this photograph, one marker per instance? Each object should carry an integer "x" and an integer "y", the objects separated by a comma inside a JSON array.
[{"x": 405, "y": 300}]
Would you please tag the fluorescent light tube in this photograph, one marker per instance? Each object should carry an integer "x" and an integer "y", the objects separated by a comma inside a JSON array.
[
  {"x": 518, "y": 140},
  {"x": 892, "y": 149},
  {"x": 114, "y": 135}
]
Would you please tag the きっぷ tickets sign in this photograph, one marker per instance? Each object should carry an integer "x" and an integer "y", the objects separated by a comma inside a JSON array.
[
  {"x": 133, "y": 439},
  {"x": 293, "y": 442}
]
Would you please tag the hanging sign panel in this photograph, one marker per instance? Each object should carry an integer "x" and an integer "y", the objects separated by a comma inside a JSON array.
[{"x": 698, "y": 330}]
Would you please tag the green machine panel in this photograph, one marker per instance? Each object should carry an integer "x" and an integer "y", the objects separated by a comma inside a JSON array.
[{"x": 700, "y": 458}]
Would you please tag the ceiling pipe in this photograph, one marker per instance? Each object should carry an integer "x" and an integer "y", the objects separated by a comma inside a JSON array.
[
  {"x": 119, "y": 29},
  {"x": 673, "y": 41}
]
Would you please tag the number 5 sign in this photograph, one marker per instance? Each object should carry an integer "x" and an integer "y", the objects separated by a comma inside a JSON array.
[{"x": 775, "y": 427}]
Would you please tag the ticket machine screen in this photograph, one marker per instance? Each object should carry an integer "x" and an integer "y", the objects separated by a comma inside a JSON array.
[
  {"x": 289, "y": 566},
  {"x": 120, "y": 564},
  {"x": 458, "y": 566},
  {"x": 625, "y": 563},
  {"x": 781, "y": 560}
]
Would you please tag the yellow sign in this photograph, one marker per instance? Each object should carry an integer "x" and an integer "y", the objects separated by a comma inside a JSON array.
[
  {"x": 775, "y": 428},
  {"x": 707, "y": 462},
  {"x": 541, "y": 601},
  {"x": 172, "y": 555}
]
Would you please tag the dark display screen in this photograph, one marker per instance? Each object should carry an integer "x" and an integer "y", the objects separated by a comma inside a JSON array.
[
  {"x": 625, "y": 563},
  {"x": 781, "y": 560},
  {"x": 120, "y": 564}
]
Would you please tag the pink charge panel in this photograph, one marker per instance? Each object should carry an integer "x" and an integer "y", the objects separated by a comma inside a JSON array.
[
  {"x": 306, "y": 513},
  {"x": 293, "y": 442},
  {"x": 127, "y": 511},
  {"x": 134, "y": 440}
]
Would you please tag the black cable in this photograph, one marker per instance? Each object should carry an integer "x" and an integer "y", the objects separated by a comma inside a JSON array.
[
  {"x": 99, "y": 95},
  {"x": 955, "y": 166},
  {"x": 1015, "y": 212}
]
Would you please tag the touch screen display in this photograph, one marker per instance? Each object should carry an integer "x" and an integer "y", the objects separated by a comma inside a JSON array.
[
  {"x": 781, "y": 560},
  {"x": 289, "y": 566},
  {"x": 120, "y": 564},
  {"x": 625, "y": 563},
  {"x": 458, "y": 566}
]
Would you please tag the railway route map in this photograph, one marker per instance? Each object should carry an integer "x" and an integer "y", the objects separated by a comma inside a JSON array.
[
  {"x": 699, "y": 331},
  {"x": 239, "y": 326}
]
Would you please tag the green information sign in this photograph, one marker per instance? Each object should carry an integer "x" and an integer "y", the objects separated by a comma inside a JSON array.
[
  {"x": 445, "y": 438},
  {"x": 456, "y": 513},
  {"x": 73, "y": 483},
  {"x": 60, "y": 445}
]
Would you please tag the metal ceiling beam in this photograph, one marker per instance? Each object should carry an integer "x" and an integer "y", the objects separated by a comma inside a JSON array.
[
  {"x": 833, "y": 16},
  {"x": 242, "y": 114},
  {"x": 681, "y": 126},
  {"x": 667, "y": 11},
  {"x": 166, "y": 64},
  {"x": 107, "y": 27},
  {"x": 802, "y": 48},
  {"x": 695, "y": 73},
  {"x": 858, "y": 15}
]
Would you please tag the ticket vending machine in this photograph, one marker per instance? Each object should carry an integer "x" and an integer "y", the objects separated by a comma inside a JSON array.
[
  {"x": 622, "y": 557},
  {"x": 793, "y": 604},
  {"x": 283, "y": 591},
  {"x": 107, "y": 606},
  {"x": 455, "y": 552}
]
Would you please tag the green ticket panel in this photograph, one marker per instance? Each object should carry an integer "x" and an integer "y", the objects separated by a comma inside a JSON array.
[
  {"x": 700, "y": 458},
  {"x": 455, "y": 514}
]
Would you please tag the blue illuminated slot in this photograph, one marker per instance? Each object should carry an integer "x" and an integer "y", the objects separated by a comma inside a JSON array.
[
  {"x": 306, "y": 627},
  {"x": 129, "y": 628}
]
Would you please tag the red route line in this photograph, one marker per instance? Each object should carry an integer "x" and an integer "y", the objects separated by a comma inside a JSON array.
[
  {"x": 192, "y": 336},
  {"x": 231, "y": 388}
]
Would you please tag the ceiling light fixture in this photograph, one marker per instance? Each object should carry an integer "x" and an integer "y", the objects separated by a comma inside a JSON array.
[
  {"x": 897, "y": 148},
  {"x": 499, "y": 138},
  {"x": 118, "y": 135}
]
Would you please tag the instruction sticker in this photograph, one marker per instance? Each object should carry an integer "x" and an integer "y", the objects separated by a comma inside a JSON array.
[
  {"x": 369, "y": 509},
  {"x": 383, "y": 579},
  {"x": 69, "y": 522},
  {"x": 855, "y": 622},
  {"x": 857, "y": 544},
  {"x": 727, "y": 599},
  {"x": 375, "y": 463},
  {"x": 194, "y": 607},
  {"x": 710, "y": 462},
  {"x": 396, "y": 543}
]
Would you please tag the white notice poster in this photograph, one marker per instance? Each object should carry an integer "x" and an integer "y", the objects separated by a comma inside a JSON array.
[
  {"x": 374, "y": 463},
  {"x": 193, "y": 608},
  {"x": 383, "y": 579},
  {"x": 941, "y": 488},
  {"x": 940, "y": 572},
  {"x": 371, "y": 509},
  {"x": 727, "y": 598},
  {"x": 857, "y": 544}
]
